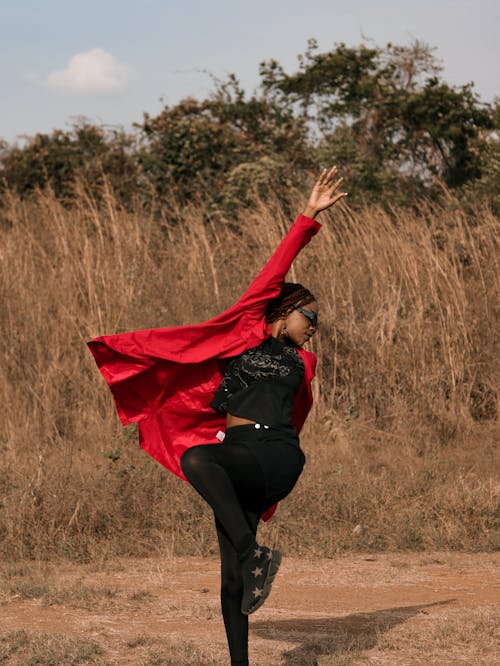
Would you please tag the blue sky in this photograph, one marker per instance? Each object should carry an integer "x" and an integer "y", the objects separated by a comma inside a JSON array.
[{"x": 110, "y": 61}]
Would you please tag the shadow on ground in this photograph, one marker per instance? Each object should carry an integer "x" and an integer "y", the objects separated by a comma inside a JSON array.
[{"x": 335, "y": 636}]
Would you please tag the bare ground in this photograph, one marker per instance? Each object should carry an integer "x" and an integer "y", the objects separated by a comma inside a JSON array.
[{"x": 439, "y": 608}]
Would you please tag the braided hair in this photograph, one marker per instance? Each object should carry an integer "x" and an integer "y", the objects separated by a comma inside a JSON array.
[{"x": 292, "y": 295}]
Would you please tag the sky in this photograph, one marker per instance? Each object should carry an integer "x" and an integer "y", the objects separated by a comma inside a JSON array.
[{"x": 112, "y": 61}]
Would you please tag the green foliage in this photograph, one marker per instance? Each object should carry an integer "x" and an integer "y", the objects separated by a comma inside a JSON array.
[
  {"x": 441, "y": 124},
  {"x": 197, "y": 148},
  {"x": 86, "y": 152},
  {"x": 384, "y": 115},
  {"x": 248, "y": 181},
  {"x": 487, "y": 153}
]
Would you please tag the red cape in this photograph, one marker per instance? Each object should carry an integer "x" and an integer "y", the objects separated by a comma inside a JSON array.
[{"x": 165, "y": 378}]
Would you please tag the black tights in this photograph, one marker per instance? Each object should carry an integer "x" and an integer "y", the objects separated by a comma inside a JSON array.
[{"x": 230, "y": 479}]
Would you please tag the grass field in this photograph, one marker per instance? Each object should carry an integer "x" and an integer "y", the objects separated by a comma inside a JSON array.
[{"x": 400, "y": 445}]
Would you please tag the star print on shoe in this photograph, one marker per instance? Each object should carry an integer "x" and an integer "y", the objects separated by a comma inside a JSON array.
[{"x": 269, "y": 561}]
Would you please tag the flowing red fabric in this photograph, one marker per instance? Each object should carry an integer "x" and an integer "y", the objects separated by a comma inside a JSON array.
[{"x": 165, "y": 378}]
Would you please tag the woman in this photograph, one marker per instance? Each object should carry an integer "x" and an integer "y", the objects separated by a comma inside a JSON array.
[{"x": 244, "y": 372}]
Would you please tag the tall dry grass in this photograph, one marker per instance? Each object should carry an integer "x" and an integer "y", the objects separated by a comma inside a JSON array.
[{"x": 401, "y": 439}]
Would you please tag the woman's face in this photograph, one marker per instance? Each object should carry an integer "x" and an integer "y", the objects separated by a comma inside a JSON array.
[{"x": 298, "y": 325}]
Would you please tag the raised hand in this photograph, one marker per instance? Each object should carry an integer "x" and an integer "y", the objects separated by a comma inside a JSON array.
[{"x": 324, "y": 193}]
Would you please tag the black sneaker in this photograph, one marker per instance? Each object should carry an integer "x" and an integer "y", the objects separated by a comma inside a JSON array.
[{"x": 259, "y": 568}]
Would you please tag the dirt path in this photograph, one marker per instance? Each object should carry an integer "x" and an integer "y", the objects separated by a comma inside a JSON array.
[{"x": 393, "y": 609}]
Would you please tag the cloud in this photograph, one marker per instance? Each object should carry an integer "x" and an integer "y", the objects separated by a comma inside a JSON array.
[{"x": 95, "y": 71}]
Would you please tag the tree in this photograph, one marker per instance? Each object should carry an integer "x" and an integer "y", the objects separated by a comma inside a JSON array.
[
  {"x": 486, "y": 187},
  {"x": 86, "y": 151},
  {"x": 384, "y": 114},
  {"x": 199, "y": 148}
]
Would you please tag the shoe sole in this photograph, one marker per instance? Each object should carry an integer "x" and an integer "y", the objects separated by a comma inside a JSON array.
[{"x": 271, "y": 574}]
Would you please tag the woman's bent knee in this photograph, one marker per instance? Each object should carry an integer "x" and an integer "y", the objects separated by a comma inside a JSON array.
[{"x": 192, "y": 458}]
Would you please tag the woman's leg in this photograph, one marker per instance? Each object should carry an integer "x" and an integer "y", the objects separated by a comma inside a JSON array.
[
  {"x": 228, "y": 478},
  {"x": 235, "y": 622},
  {"x": 231, "y": 480}
]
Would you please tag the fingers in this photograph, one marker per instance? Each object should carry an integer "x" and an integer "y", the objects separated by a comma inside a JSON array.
[
  {"x": 332, "y": 172},
  {"x": 336, "y": 184},
  {"x": 322, "y": 177},
  {"x": 326, "y": 175},
  {"x": 327, "y": 184},
  {"x": 338, "y": 196}
]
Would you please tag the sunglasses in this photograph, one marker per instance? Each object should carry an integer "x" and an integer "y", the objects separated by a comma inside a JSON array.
[{"x": 312, "y": 316}]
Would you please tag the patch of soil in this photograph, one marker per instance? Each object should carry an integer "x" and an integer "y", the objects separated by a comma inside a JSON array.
[{"x": 356, "y": 609}]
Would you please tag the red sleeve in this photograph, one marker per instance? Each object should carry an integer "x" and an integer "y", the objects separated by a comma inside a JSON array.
[
  {"x": 268, "y": 282},
  {"x": 137, "y": 365}
]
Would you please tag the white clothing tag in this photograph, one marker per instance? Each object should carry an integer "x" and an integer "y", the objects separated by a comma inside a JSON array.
[{"x": 220, "y": 435}]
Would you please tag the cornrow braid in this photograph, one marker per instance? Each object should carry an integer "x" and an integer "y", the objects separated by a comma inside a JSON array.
[{"x": 292, "y": 295}]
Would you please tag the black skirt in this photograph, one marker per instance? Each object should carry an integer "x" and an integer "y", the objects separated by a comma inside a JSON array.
[{"x": 278, "y": 453}]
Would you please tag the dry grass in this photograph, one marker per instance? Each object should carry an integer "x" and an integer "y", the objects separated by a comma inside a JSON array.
[
  {"x": 35, "y": 649},
  {"x": 40, "y": 649},
  {"x": 42, "y": 582},
  {"x": 351, "y": 610},
  {"x": 457, "y": 637},
  {"x": 79, "y": 596},
  {"x": 454, "y": 635},
  {"x": 401, "y": 441}
]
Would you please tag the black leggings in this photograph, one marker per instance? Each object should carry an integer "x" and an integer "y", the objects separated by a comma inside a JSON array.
[{"x": 231, "y": 480}]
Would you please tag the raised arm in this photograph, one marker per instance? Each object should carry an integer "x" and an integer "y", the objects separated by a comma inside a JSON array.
[
  {"x": 268, "y": 282},
  {"x": 194, "y": 343}
]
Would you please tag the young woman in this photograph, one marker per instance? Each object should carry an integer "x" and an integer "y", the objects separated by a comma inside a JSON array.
[{"x": 221, "y": 403}]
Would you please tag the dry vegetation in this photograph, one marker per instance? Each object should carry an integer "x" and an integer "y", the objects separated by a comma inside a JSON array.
[
  {"x": 401, "y": 441},
  {"x": 352, "y": 610}
]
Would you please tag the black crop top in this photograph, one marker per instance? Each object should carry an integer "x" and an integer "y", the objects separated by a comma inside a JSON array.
[{"x": 260, "y": 384}]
